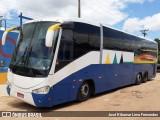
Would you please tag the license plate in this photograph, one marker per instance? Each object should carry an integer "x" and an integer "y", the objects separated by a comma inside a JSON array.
[{"x": 20, "y": 95}]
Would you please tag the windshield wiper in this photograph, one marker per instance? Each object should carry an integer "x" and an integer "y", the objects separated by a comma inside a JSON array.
[
  {"x": 31, "y": 72},
  {"x": 27, "y": 57},
  {"x": 20, "y": 59},
  {"x": 38, "y": 71}
]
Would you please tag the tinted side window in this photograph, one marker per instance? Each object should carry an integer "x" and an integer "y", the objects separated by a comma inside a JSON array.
[
  {"x": 112, "y": 39},
  {"x": 149, "y": 48},
  {"x": 94, "y": 41},
  {"x": 117, "y": 40},
  {"x": 127, "y": 42},
  {"x": 66, "y": 45},
  {"x": 86, "y": 39},
  {"x": 81, "y": 45},
  {"x": 65, "y": 53}
]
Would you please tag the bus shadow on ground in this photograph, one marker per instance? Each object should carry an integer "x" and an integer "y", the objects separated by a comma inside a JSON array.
[
  {"x": 57, "y": 107},
  {"x": 158, "y": 70},
  {"x": 22, "y": 106}
]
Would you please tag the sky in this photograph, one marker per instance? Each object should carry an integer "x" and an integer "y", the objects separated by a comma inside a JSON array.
[{"x": 128, "y": 15}]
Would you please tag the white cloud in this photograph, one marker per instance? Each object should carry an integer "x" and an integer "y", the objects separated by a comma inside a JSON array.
[
  {"x": 134, "y": 1},
  {"x": 105, "y": 11},
  {"x": 136, "y": 24},
  {"x": 137, "y": 1},
  {"x": 3, "y": 12},
  {"x": 2, "y": 28}
]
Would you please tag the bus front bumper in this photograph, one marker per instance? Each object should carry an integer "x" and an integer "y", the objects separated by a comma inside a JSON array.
[{"x": 38, "y": 100}]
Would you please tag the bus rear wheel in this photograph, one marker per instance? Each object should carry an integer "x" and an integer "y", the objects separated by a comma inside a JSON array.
[
  {"x": 84, "y": 92},
  {"x": 145, "y": 77},
  {"x": 138, "y": 79}
]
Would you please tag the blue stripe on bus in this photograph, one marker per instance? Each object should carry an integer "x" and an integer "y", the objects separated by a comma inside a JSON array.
[
  {"x": 105, "y": 77},
  {"x": 43, "y": 100}
]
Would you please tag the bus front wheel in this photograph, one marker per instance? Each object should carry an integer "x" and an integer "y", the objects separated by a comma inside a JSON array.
[
  {"x": 84, "y": 92},
  {"x": 138, "y": 79}
]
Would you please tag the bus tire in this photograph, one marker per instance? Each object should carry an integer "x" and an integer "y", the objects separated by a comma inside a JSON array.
[
  {"x": 138, "y": 79},
  {"x": 84, "y": 92},
  {"x": 145, "y": 77}
]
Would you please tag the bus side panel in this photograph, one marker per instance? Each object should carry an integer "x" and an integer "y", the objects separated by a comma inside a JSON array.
[
  {"x": 114, "y": 76},
  {"x": 61, "y": 92},
  {"x": 43, "y": 100},
  {"x": 67, "y": 89},
  {"x": 105, "y": 77}
]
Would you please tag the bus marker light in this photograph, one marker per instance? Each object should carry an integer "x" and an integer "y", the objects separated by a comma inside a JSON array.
[
  {"x": 77, "y": 80},
  {"x": 49, "y": 99}
]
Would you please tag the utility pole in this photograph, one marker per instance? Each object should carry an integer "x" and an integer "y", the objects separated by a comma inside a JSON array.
[
  {"x": 23, "y": 17},
  {"x": 144, "y": 32},
  {"x": 5, "y": 26},
  {"x": 79, "y": 8}
]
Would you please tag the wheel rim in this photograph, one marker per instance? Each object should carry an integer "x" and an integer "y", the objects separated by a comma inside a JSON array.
[
  {"x": 139, "y": 78},
  {"x": 85, "y": 89}
]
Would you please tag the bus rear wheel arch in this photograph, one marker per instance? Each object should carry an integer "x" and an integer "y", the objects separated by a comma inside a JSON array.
[{"x": 85, "y": 91}]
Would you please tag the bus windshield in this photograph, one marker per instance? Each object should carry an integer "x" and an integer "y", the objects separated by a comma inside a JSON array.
[{"x": 31, "y": 57}]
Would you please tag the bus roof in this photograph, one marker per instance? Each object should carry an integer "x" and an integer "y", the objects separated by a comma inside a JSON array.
[{"x": 61, "y": 20}]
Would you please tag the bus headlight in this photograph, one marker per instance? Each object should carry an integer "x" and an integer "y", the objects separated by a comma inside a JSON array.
[{"x": 43, "y": 90}]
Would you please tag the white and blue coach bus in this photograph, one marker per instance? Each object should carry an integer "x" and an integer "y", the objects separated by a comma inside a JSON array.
[{"x": 57, "y": 61}]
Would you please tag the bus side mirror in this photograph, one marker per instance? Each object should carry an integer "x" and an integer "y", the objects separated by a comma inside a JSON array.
[
  {"x": 7, "y": 31},
  {"x": 50, "y": 34}
]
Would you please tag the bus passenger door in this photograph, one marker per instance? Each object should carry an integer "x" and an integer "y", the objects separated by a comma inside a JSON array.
[{"x": 65, "y": 56}]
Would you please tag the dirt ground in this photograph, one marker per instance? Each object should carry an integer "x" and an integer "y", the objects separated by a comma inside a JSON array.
[{"x": 144, "y": 97}]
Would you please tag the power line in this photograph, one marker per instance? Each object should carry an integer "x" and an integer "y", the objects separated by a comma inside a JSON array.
[
  {"x": 101, "y": 6},
  {"x": 26, "y": 11},
  {"x": 96, "y": 10}
]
